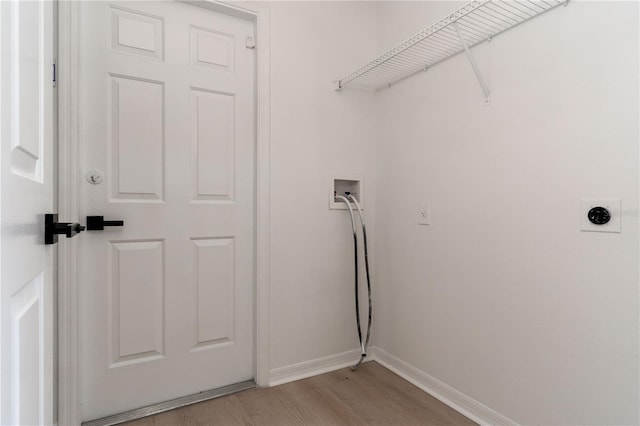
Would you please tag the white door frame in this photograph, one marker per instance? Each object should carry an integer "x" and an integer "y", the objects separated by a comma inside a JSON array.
[{"x": 69, "y": 147}]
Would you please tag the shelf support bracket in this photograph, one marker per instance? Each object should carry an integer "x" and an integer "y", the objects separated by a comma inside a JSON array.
[{"x": 472, "y": 61}]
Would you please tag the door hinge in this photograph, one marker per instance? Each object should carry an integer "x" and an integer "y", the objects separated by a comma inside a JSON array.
[
  {"x": 55, "y": 76},
  {"x": 250, "y": 42}
]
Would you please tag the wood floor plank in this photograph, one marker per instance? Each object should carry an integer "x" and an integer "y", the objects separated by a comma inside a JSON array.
[
  {"x": 319, "y": 405},
  {"x": 411, "y": 399},
  {"x": 363, "y": 400},
  {"x": 372, "y": 395},
  {"x": 266, "y": 407}
]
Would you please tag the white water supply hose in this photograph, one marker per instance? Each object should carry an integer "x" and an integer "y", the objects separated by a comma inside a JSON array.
[
  {"x": 363, "y": 342},
  {"x": 366, "y": 266},
  {"x": 355, "y": 255}
]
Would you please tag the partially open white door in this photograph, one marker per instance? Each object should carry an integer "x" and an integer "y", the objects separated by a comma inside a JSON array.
[
  {"x": 26, "y": 278},
  {"x": 168, "y": 142}
]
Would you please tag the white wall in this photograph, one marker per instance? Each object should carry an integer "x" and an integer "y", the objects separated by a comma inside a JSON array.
[
  {"x": 316, "y": 133},
  {"x": 502, "y": 297}
]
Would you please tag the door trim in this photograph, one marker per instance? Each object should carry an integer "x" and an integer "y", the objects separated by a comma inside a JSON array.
[{"x": 69, "y": 195}]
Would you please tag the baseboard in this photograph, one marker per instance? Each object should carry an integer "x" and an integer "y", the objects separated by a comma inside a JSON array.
[
  {"x": 302, "y": 370},
  {"x": 455, "y": 399}
]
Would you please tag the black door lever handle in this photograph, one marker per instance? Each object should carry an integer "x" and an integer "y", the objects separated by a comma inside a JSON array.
[
  {"x": 53, "y": 228},
  {"x": 97, "y": 223}
]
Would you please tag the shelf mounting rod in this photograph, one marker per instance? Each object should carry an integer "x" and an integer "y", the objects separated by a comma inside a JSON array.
[{"x": 472, "y": 61}]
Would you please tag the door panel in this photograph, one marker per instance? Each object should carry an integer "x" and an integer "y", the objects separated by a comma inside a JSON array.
[
  {"x": 212, "y": 145},
  {"x": 27, "y": 322},
  {"x": 27, "y": 87},
  {"x": 26, "y": 175},
  {"x": 137, "y": 33},
  {"x": 168, "y": 116},
  {"x": 214, "y": 285},
  {"x": 137, "y": 301},
  {"x": 137, "y": 138}
]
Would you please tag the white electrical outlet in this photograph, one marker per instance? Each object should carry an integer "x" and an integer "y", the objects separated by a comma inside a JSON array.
[
  {"x": 613, "y": 211},
  {"x": 424, "y": 217}
]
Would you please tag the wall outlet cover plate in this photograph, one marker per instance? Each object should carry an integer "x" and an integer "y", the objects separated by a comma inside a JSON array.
[{"x": 614, "y": 205}]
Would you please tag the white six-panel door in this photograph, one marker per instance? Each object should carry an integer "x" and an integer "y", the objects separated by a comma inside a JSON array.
[
  {"x": 26, "y": 278},
  {"x": 166, "y": 306}
]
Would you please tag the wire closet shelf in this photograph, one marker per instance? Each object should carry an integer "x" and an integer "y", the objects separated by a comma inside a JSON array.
[{"x": 474, "y": 23}]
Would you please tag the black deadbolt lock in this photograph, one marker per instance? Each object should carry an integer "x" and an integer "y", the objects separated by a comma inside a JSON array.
[{"x": 599, "y": 215}]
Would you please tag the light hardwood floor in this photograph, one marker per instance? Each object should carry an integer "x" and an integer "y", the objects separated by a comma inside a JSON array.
[{"x": 371, "y": 396}]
